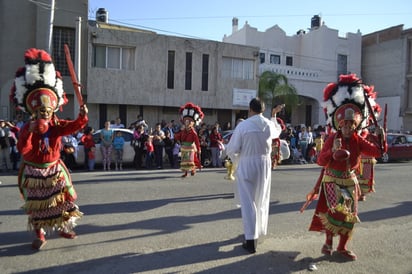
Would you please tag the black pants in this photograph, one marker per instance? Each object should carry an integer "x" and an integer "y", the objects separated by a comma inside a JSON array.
[
  {"x": 158, "y": 152},
  {"x": 68, "y": 160},
  {"x": 138, "y": 157}
]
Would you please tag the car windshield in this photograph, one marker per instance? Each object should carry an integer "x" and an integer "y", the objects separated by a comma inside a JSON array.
[
  {"x": 128, "y": 136},
  {"x": 390, "y": 138}
]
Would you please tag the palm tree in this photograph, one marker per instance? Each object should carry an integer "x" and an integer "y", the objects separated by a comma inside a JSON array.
[{"x": 275, "y": 87}]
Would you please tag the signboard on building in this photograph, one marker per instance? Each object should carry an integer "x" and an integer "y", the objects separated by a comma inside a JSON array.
[{"x": 242, "y": 97}]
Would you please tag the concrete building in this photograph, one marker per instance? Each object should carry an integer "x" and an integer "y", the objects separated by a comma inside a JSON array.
[
  {"x": 27, "y": 24},
  {"x": 310, "y": 60},
  {"x": 135, "y": 72},
  {"x": 387, "y": 64},
  {"x": 124, "y": 71}
]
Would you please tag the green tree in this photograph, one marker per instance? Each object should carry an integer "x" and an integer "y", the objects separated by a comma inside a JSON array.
[{"x": 274, "y": 88}]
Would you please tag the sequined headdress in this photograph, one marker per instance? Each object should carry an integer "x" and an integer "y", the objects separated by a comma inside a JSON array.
[
  {"x": 38, "y": 84},
  {"x": 345, "y": 100}
]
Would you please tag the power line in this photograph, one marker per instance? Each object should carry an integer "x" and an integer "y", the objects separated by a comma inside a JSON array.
[{"x": 261, "y": 16}]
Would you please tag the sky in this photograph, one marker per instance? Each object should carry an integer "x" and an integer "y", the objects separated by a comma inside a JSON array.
[{"x": 212, "y": 19}]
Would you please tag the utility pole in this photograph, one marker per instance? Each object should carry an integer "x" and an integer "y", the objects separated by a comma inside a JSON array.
[
  {"x": 77, "y": 57},
  {"x": 49, "y": 40}
]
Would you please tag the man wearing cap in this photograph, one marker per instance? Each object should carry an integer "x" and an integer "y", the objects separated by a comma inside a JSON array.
[
  {"x": 44, "y": 180},
  {"x": 337, "y": 208}
]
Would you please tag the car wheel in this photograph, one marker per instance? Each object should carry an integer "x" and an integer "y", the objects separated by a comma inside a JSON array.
[
  {"x": 207, "y": 163},
  {"x": 385, "y": 158}
]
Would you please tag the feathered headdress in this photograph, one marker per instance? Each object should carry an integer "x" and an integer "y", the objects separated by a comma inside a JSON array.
[
  {"x": 345, "y": 100},
  {"x": 37, "y": 84},
  {"x": 191, "y": 111}
]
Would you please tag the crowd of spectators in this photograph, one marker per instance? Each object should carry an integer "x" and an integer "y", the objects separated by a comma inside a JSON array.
[
  {"x": 304, "y": 143},
  {"x": 153, "y": 145}
]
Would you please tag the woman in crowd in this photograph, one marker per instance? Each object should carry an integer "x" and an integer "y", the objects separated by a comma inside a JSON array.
[
  {"x": 106, "y": 138},
  {"x": 216, "y": 146}
]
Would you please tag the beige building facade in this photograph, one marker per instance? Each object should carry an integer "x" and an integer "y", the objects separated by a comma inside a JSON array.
[
  {"x": 134, "y": 72},
  {"x": 387, "y": 64},
  {"x": 125, "y": 72}
]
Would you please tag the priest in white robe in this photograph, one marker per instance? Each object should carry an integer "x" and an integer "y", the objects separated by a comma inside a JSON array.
[{"x": 250, "y": 146}]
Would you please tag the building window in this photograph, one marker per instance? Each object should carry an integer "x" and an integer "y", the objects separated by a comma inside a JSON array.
[
  {"x": 128, "y": 58},
  {"x": 289, "y": 61},
  {"x": 234, "y": 68},
  {"x": 205, "y": 72},
  {"x": 262, "y": 57},
  {"x": 342, "y": 64},
  {"x": 113, "y": 57},
  {"x": 171, "y": 69},
  {"x": 62, "y": 36},
  {"x": 99, "y": 56},
  {"x": 188, "y": 74},
  {"x": 274, "y": 59}
]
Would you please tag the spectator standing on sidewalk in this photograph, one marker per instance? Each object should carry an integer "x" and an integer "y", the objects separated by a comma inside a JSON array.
[
  {"x": 216, "y": 147},
  {"x": 149, "y": 152},
  {"x": 138, "y": 144},
  {"x": 118, "y": 144},
  {"x": 88, "y": 143},
  {"x": 91, "y": 158},
  {"x": 106, "y": 145},
  {"x": 159, "y": 144},
  {"x": 7, "y": 130}
]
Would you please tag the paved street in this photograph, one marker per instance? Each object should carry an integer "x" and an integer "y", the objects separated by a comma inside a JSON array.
[{"x": 156, "y": 222}]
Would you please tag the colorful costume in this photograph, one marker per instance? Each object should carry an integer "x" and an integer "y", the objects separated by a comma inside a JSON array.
[
  {"x": 44, "y": 181},
  {"x": 276, "y": 154},
  {"x": 191, "y": 115},
  {"x": 337, "y": 208},
  {"x": 366, "y": 170}
]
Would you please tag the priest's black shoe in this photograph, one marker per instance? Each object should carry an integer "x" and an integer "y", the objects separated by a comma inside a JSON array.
[{"x": 250, "y": 245}]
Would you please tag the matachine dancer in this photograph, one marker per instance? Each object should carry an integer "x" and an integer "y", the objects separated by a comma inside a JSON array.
[
  {"x": 44, "y": 180},
  {"x": 347, "y": 113}
]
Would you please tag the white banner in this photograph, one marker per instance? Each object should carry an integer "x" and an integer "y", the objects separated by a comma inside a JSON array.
[{"x": 242, "y": 97}]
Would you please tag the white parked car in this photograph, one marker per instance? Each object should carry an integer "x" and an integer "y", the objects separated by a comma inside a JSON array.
[
  {"x": 128, "y": 150},
  {"x": 284, "y": 146}
]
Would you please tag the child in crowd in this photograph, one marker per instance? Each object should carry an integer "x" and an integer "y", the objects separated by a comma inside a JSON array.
[
  {"x": 298, "y": 156},
  {"x": 118, "y": 143},
  {"x": 312, "y": 153},
  {"x": 91, "y": 158},
  {"x": 149, "y": 152}
]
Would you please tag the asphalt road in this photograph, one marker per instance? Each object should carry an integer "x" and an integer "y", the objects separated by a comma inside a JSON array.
[{"x": 156, "y": 222}]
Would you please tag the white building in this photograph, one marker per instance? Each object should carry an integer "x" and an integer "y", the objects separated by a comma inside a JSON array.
[{"x": 310, "y": 60}]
